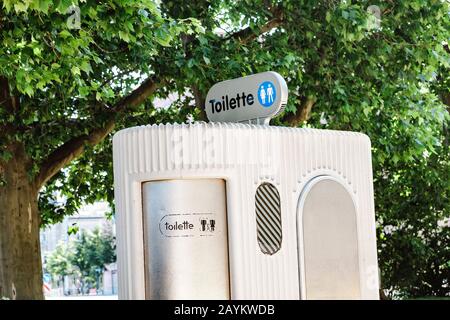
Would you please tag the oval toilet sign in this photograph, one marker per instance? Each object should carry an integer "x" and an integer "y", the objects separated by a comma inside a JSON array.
[{"x": 255, "y": 98}]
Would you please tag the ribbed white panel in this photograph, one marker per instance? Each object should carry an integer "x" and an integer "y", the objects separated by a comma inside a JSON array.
[{"x": 245, "y": 156}]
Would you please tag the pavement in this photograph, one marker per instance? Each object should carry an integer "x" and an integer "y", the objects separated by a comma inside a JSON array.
[{"x": 82, "y": 298}]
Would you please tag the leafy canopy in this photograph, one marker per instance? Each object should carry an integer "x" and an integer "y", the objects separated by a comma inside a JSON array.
[
  {"x": 85, "y": 257},
  {"x": 345, "y": 70}
]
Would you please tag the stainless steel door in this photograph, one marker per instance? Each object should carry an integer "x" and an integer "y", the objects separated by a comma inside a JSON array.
[{"x": 185, "y": 239}]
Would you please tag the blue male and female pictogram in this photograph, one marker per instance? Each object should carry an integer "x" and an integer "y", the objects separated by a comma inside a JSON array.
[{"x": 267, "y": 93}]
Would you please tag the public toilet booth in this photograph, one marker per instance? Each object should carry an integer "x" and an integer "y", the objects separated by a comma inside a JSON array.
[{"x": 238, "y": 209}]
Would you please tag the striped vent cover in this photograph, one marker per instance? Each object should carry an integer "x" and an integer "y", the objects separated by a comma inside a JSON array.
[{"x": 268, "y": 218}]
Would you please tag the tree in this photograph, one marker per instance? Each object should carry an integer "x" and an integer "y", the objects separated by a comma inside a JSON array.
[
  {"x": 92, "y": 252},
  {"x": 414, "y": 229},
  {"x": 64, "y": 90},
  {"x": 59, "y": 262},
  {"x": 85, "y": 257}
]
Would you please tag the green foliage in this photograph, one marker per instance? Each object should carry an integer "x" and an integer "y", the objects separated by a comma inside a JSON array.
[
  {"x": 414, "y": 226},
  {"x": 92, "y": 251},
  {"x": 387, "y": 81},
  {"x": 85, "y": 257},
  {"x": 59, "y": 262}
]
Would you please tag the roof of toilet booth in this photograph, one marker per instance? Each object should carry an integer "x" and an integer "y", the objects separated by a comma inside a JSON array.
[{"x": 243, "y": 126}]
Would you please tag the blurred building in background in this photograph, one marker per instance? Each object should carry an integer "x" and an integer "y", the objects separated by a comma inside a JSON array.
[{"x": 89, "y": 218}]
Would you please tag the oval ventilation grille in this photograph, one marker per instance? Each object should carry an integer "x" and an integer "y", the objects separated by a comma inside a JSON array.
[{"x": 268, "y": 218}]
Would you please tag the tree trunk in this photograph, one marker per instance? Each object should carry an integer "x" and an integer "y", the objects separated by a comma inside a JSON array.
[
  {"x": 20, "y": 254},
  {"x": 63, "y": 284},
  {"x": 302, "y": 114}
]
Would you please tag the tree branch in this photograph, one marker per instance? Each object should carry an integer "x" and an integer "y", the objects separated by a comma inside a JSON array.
[
  {"x": 10, "y": 104},
  {"x": 302, "y": 114},
  {"x": 7, "y": 101},
  {"x": 248, "y": 34},
  {"x": 446, "y": 100},
  {"x": 74, "y": 147},
  {"x": 199, "y": 102},
  {"x": 243, "y": 36}
]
